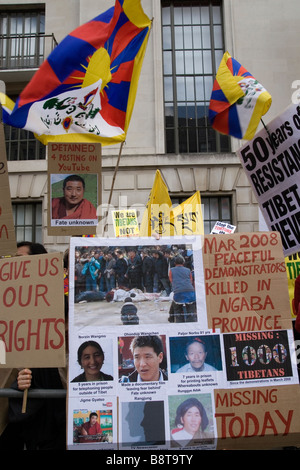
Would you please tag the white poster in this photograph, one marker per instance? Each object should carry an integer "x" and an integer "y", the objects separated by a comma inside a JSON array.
[
  {"x": 143, "y": 364},
  {"x": 272, "y": 164}
]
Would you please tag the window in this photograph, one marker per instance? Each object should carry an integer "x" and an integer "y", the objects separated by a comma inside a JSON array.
[
  {"x": 22, "y": 145},
  {"x": 214, "y": 209},
  {"x": 22, "y": 38},
  {"x": 193, "y": 47},
  {"x": 28, "y": 222}
]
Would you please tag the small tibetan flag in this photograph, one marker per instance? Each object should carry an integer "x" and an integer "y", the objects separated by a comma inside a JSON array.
[{"x": 238, "y": 100}]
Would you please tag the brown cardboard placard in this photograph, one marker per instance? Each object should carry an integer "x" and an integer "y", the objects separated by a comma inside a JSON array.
[
  {"x": 84, "y": 161},
  {"x": 32, "y": 324},
  {"x": 8, "y": 245},
  {"x": 258, "y": 418},
  {"x": 246, "y": 282}
]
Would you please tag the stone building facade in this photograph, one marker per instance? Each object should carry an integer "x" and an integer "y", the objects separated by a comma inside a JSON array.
[{"x": 261, "y": 34}]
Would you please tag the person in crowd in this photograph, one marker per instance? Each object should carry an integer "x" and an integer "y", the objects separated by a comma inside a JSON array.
[
  {"x": 148, "y": 354},
  {"x": 101, "y": 282},
  {"x": 195, "y": 354},
  {"x": 121, "y": 269},
  {"x": 183, "y": 290},
  {"x": 134, "y": 270},
  {"x": 129, "y": 312},
  {"x": 90, "y": 357},
  {"x": 148, "y": 270},
  {"x": 73, "y": 205},
  {"x": 190, "y": 423},
  {"x": 78, "y": 276},
  {"x": 30, "y": 248},
  {"x": 109, "y": 272},
  {"x": 42, "y": 426},
  {"x": 90, "y": 271},
  {"x": 170, "y": 257},
  {"x": 161, "y": 269}
]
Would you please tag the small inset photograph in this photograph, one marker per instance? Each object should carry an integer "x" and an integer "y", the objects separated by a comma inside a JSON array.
[
  {"x": 134, "y": 285},
  {"x": 143, "y": 423},
  {"x": 142, "y": 359},
  {"x": 73, "y": 197},
  {"x": 192, "y": 354},
  {"x": 191, "y": 420},
  {"x": 90, "y": 426}
]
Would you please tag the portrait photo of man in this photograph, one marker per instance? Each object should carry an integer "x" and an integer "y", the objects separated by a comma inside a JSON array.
[
  {"x": 76, "y": 199},
  {"x": 148, "y": 357},
  {"x": 195, "y": 354}
]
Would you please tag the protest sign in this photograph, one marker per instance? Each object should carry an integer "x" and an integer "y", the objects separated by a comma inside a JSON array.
[
  {"x": 258, "y": 418},
  {"x": 271, "y": 162},
  {"x": 32, "y": 324},
  {"x": 216, "y": 374},
  {"x": 223, "y": 228},
  {"x": 74, "y": 188},
  {"x": 292, "y": 263},
  {"x": 246, "y": 282},
  {"x": 8, "y": 246},
  {"x": 125, "y": 223},
  {"x": 257, "y": 355}
]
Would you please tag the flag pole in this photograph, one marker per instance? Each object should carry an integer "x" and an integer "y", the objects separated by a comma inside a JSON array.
[
  {"x": 271, "y": 139},
  {"x": 266, "y": 129},
  {"x": 24, "y": 402},
  {"x": 112, "y": 185}
]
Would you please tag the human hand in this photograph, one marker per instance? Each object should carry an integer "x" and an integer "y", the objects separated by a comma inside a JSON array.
[{"x": 24, "y": 379}]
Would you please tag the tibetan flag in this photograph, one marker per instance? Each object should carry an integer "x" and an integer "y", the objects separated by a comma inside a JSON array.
[
  {"x": 7, "y": 107},
  {"x": 86, "y": 89},
  {"x": 158, "y": 213},
  {"x": 238, "y": 100},
  {"x": 187, "y": 217}
]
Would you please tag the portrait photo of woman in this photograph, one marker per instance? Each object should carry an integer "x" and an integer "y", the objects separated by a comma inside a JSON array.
[
  {"x": 90, "y": 357},
  {"x": 191, "y": 426}
]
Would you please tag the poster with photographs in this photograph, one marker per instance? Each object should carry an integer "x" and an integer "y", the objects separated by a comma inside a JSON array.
[
  {"x": 74, "y": 188},
  {"x": 143, "y": 363}
]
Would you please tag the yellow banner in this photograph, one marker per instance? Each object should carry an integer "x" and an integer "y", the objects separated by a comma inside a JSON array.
[
  {"x": 292, "y": 263},
  {"x": 187, "y": 217},
  {"x": 157, "y": 216}
]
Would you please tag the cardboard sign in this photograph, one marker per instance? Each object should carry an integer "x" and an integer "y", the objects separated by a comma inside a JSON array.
[
  {"x": 271, "y": 163},
  {"x": 246, "y": 282},
  {"x": 32, "y": 324},
  {"x": 74, "y": 188},
  {"x": 8, "y": 246},
  {"x": 125, "y": 223},
  {"x": 258, "y": 418}
]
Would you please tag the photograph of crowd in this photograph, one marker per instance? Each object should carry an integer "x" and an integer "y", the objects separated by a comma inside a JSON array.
[{"x": 134, "y": 285}]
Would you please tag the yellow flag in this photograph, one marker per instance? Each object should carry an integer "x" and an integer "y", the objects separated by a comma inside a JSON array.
[
  {"x": 157, "y": 216},
  {"x": 187, "y": 217}
]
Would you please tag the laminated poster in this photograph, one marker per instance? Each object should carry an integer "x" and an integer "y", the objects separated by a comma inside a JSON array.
[{"x": 154, "y": 363}]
